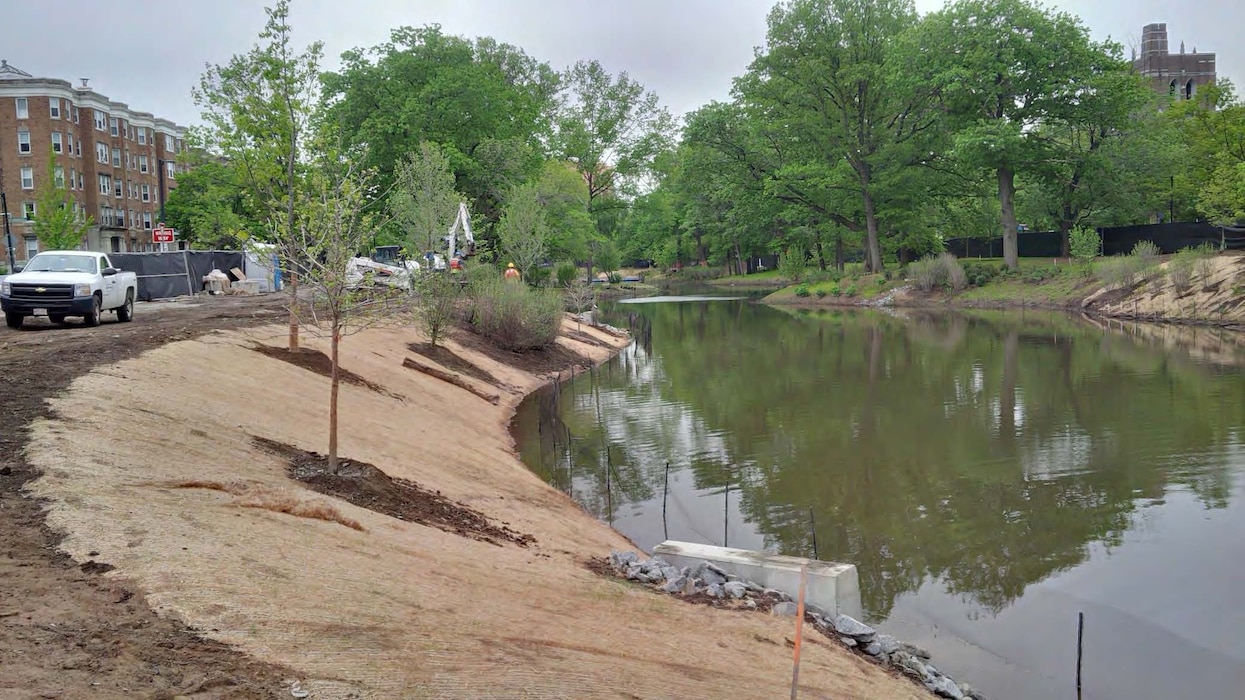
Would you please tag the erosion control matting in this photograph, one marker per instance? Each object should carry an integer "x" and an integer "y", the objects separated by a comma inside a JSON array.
[
  {"x": 449, "y": 360},
  {"x": 366, "y": 486},
  {"x": 318, "y": 362},
  {"x": 543, "y": 361},
  {"x": 65, "y": 630}
]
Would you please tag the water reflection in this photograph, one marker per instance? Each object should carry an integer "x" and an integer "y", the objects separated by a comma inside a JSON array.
[{"x": 949, "y": 456}]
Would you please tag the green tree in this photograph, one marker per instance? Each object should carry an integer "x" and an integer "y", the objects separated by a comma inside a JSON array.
[
  {"x": 522, "y": 231},
  {"x": 59, "y": 224},
  {"x": 424, "y": 200},
  {"x": 258, "y": 111},
  {"x": 209, "y": 208},
  {"x": 563, "y": 195},
  {"x": 1004, "y": 67},
  {"x": 610, "y": 128},
  {"x": 1213, "y": 131}
]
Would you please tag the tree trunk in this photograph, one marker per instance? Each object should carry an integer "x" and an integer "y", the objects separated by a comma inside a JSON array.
[
  {"x": 821, "y": 254},
  {"x": 739, "y": 258},
  {"x": 839, "y": 256},
  {"x": 1007, "y": 202},
  {"x": 334, "y": 381},
  {"x": 873, "y": 248},
  {"x": 1065, "y": 238},
  {"x": 293, "y": 312}
]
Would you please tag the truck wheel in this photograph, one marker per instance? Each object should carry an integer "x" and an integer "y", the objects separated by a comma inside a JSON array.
[
  {"x": 14, "y": 320},
  {"x": 125, "y": 313},
  {"x": 56, "y": 318},
  {"x": 92, "y": 319}
]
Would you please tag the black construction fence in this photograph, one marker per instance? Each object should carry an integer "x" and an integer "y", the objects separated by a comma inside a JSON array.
[
  {"x": 176, "y": 273},
  {"x": 1119, "y": 240}
]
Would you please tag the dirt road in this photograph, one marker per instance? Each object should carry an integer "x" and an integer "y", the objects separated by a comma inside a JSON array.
[{"x": 66, "y": 632}]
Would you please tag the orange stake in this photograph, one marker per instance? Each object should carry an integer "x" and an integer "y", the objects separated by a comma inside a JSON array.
[{"x": 799, "y": 634}]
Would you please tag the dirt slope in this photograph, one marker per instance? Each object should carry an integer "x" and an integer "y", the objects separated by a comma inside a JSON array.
[{"x": 398, "y": 609}]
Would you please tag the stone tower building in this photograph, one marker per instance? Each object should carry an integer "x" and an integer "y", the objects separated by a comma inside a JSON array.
[{"x": 1178, "y": 75}]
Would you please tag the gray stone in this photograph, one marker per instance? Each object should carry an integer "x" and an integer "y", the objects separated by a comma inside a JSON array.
[
  {"x": 714, "y": 590},
  {"x": 914, "y": 650},
  {"x": 890, "y": 645},
  {"x": 625, "y": 558},
  {"x": 675, "y": 585},
  {"x": 731, "y": 578},
  {"x": 754, "y": 586},
  {"x": 851, "y": 627},
  {"x": 689, "y": 585},
  {"x": 715, "y": 569},
  {"x": 910, "y": 665},
  {"x": 786, "y": 609},
  {"x": 750, "y": 604},
  {"x": 971, "y": 692},
  {"x": 669, "y": 572},
  {"x": 873, "y": 649},
  {"x": 633, "y": 572},
  {"x": 848, "y": 641},
  {"x": 933, "y": 670},
  {"x": 735, "y": 589},
  {"x": 711, "y": 577},
  {"x": 944, "y": 687}
]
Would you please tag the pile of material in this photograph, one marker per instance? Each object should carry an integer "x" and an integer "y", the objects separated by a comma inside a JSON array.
[{"x": 709, "y": 584}]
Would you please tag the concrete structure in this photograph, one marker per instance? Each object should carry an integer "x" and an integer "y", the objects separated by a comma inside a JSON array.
[
  {"x": 835, "y": 588},
  {"x": 118, "y": 164},
  {"x": 1178, "y": 75}
]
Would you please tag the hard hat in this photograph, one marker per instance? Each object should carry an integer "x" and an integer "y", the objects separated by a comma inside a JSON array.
[{"x": 510, "y": 265}]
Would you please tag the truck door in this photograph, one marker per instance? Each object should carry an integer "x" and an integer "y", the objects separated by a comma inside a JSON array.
[{"x": 109, "y": 290}]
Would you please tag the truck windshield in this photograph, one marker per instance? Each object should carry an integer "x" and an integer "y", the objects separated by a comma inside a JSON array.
[{"x": 60, "y": 263}]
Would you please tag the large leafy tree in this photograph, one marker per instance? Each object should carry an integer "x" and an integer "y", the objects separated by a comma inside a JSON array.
[
  {"x": 486, "y": 104},
  {"x": 611, "y": 128},
  {"x": 210, "y": 207},
  {"x": 1213, "y": 130},
  {"x": 1005, "y": 68},
  {"x": 423, "y": 201},
  {"x": 829, "y": 86}
]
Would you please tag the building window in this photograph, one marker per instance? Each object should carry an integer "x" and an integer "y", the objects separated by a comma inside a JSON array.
[
  {"x": 142, "y": 135},
  {"x": 101, "y": 152},
  {"x": 120, "y": 218},
  {"x": 73, "y": 178},
  {"x": 171, "y": 169},
  {"x": 116, "y": 157},
  {"x": 81, "y": 181},
  {"x": 100, "y": 118},
  {"x": 54, "y": 107},
  {"x": 105, "y": 184},
  {"x": 78, "y": 148},
  {"x": 58, "y": 176},
  {"x": 23, "y": 108},
  {"x": 75, "y": 115},
  {"x": 23, "y": 142},
  {"x": 32, "y": 247},
  {"x": 113, "y": 126},
  {"x": 28, "y": 210},
  {"x": 28, "y": 178},
  {"x": 147, "y": 220},
  {"x": 142, "y": 164},
  {"x": 118, "y": 188},
  {"x": 169, "y": 144},
  {"x": 146, "y": 190},
  {"x": 57, "y": 145}
]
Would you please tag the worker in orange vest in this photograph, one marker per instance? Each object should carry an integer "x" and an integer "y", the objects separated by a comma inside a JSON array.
[{"x": 512, "y": 273}]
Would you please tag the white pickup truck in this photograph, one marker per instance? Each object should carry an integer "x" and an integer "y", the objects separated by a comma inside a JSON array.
[{"x": 60, "y": 283}]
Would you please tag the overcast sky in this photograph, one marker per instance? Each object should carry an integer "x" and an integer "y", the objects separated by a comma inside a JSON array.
[{"x": 149, "y": 53}]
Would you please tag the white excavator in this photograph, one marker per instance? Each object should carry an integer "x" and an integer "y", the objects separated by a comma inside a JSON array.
[{"x": 386, "y": 266}]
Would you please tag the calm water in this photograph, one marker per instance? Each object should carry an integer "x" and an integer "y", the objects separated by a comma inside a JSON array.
[{"x": 991, "y": 475}]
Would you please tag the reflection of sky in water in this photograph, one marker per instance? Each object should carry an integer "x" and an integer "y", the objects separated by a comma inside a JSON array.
[{"x": 1109, "y": 470}]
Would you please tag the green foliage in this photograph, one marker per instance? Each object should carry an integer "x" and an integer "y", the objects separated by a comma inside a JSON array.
[
  {"x": 522, "y": 232},
  {"x": 699, "y": 274},
  {"x": 605, "y": 256},
  {"x": 1084, "y": 243},
  {"x": 980, "y": 274},
  {"x": 1180, "y": 268},
  {"x": 1037, "y": 274},
  {"x": 851, "y": 290},
  {"x": 792, "y": 264},
  {"x": 834, "y": 290},
  {"x": 58, "y": 224},
  {"x": 439, "y": 299},
  {"x": 1204, "y": 265},
  {"x": 614, "y": 278},
  {"x": 423, "y": 202},
  {"x": 802, "y": 291},
  {"x": 821, "y": 294},
  {"x": 944, "y": 271},
  {"x": 1120, "y": 271},
  {"x": 567, "y": 273},
  {"x": 515, "y": 317},
  {"x": 210, "y": 208}
]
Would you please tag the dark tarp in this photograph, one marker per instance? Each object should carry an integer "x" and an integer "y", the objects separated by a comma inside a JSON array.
[
  {"x": 176, "y": 273},
  {"x": 1170, "y": 238}
]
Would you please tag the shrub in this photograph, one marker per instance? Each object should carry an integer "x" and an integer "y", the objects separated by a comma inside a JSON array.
[
  {"x": 1084, "y": 244},
  {"x": 697, "y": 273},
  {"x": 816, "y": 276},
  {"x": 1146, "y": 252},
  {"x": 821, "y": 294},
  {"x": 850, "y": 291},
  {"x": 1120, "y": 272},
  {"x": 514, "y": 316},
  {"x": 1204, "y": 264},
  {"x": 835, "y": 291},
  {"x": 926, "y": 274},
  {"x": 802, "y": 291},
  {"x": 953, "y": 273},
  {"x": 566, "y": 273},
  {"x": 614, "y": 277},
  {"x": 1180, "y": 269},
  {"x": 538, "y": 276},
  {"x": 792, "y": 264},
  {"x": 1039, "y": 273},
  {"x": 438, "y": 304},
  {"x": 980, "y": 274}
]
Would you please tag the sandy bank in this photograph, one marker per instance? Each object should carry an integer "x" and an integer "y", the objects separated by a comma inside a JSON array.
[{"x": 396, "y": 609}]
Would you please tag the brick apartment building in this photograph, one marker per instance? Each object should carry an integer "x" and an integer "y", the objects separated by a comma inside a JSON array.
[
  {"x": 118, "y": 164},
  {"x": 1178, "y": 75}
]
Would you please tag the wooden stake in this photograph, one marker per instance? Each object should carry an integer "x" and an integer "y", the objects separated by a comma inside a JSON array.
[
  {"x": 799, "y": 635},
  {"x": 1080, "y": 640}
]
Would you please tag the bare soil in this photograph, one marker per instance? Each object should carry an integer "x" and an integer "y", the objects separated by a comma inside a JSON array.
[
  {"x": 368, "y": 487},
  {"x": 66, "y": 631},
  {"x": 550, "y": 360}
]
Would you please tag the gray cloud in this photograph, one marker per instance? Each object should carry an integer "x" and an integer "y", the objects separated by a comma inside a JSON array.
[{"x": 149, "y": 54}]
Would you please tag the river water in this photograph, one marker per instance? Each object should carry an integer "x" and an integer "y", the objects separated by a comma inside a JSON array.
[{"x": 991, "y": 475}]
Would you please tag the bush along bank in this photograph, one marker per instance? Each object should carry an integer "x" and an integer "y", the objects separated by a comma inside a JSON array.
[{"x": 708, "y": 584}]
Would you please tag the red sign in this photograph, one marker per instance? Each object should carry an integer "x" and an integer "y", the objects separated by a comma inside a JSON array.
[{"x": 162, "y": 234}]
